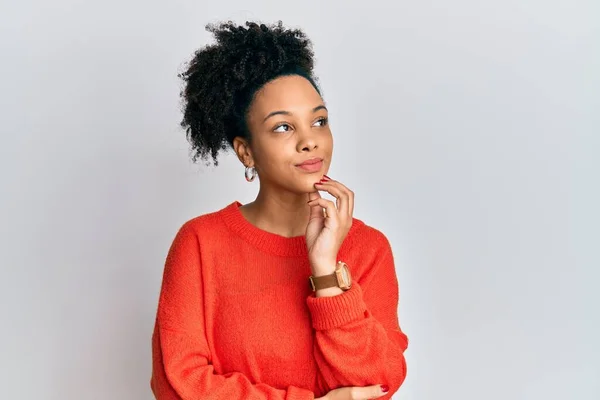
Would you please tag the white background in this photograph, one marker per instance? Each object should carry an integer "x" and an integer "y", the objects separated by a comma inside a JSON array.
[{"x": 469, "y": 130}]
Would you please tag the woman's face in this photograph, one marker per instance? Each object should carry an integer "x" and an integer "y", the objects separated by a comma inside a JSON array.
[{"x": 291, "y": 144}]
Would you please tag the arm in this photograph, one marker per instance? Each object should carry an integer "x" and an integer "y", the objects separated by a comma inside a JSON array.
[
  {"x": 358, "y": 340},
  {"x": 181, "y": 367}
]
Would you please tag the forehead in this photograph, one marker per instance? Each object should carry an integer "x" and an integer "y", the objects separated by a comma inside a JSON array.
[{"x": 290, "y": 93}]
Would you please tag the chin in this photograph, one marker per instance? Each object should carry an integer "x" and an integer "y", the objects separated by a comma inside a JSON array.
[
  {"x": 309, "y": 184},
  {"x": 304, "y": 184}
]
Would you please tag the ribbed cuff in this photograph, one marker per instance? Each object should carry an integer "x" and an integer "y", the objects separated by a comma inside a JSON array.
[
  {"x": 296, "y": 393},
  {"x": 334, "y": 311}
]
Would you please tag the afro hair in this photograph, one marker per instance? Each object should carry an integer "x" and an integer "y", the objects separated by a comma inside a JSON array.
[{"x": 222, "y": 78}]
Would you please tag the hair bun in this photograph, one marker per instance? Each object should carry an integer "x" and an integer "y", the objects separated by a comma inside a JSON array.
[{"x": 221, "y": 79}]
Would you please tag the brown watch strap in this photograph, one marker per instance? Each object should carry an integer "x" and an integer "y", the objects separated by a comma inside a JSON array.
[{"x": 324, "y": 282}]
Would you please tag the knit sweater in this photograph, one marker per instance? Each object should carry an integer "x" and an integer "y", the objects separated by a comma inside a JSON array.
[{"x": 237, "y": 318}]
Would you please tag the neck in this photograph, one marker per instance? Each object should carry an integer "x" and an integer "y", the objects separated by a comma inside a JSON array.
[{"x": 283, "y": 213}]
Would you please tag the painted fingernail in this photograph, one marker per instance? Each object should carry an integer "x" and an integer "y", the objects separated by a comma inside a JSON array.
[{"x": 385, "y": 388}]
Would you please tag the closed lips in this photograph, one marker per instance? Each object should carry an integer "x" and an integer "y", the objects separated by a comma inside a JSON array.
[{"x": 312, "y": 161}]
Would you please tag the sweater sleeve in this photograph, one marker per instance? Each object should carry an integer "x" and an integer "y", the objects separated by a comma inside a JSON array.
[
  {"x": 358, "y": 340},
  {"x": 181, "y": 359}
]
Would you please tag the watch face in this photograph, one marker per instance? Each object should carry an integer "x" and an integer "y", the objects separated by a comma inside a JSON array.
[{"x": 346, "y": 275}]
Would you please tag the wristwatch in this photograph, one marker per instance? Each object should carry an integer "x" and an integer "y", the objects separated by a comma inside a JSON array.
[{"x": 340, "y": 278}]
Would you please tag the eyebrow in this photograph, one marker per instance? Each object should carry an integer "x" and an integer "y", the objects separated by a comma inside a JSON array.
[{"x": 283, "y": 112}]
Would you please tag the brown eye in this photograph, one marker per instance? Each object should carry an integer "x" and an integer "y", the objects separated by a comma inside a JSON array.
[
  {"x": 281, "y": 126},
  {"x": 322, "y": 121}
]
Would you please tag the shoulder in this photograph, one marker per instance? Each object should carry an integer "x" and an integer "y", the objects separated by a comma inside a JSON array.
[
  {"x": 367, "y": 252},
  {"x": 368, "y": 237},
  {"x": 210, "y": 222}
]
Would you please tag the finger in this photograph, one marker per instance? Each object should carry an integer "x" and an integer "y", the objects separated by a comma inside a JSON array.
[
  {"x": 341, "y": 198},
  {"x": 320, "y": 203},
  {"x": 341, "y": 192},
  {"x": 368, "y": 392},
  {"x": 314, "y": 195},
  {"x": 315, "y": 212},
  {"x": 350, "y": 194}
]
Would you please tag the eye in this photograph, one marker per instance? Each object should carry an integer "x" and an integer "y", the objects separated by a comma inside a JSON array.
[
  {"x": 277, "y": 128},
  {"x": 322, "y": 121}
]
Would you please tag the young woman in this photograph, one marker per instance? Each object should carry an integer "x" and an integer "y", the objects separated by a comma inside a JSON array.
[{"x": 289, "y": 296}]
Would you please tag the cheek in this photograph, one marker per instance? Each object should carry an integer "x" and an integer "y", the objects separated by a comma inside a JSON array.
[
  {"x": 328, "y": 142},
  {"x": 328, "y": 137},
  {"x": 273, "y": 155}
]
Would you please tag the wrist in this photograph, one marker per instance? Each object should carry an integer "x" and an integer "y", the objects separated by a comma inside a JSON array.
[
  {"x": 329, "y": 292},
  {"x": 323, "y": 267}
]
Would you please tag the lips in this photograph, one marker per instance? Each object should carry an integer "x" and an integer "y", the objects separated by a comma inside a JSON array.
[
  {"x": 310, "y": 162},
  {"x": 312, "y": 165}
]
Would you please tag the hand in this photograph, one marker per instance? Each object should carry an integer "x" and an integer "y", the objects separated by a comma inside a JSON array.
[
  {"x": 325, "y": 233},
  {"x": 355, "y": 393}
]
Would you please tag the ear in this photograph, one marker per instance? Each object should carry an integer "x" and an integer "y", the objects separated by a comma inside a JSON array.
[{"x": 241, "y": 146}]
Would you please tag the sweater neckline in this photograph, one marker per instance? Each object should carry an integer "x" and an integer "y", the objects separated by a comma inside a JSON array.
[{"x": 268, "y": 241}]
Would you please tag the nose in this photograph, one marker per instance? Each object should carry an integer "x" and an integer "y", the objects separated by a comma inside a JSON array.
[{"x": 307, "y": 140}]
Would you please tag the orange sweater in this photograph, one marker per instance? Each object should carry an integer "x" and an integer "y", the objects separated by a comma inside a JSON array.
[{"x": 237, "y": 319}]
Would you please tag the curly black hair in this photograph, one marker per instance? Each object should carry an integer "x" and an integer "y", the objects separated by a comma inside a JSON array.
[{"x": 221, "y": 80}]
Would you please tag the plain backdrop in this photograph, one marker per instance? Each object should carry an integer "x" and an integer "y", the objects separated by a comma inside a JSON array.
[{"x": 469, "y": 131}]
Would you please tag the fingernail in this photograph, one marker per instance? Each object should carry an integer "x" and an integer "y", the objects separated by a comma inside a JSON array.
[{"x": 385, "y": 388}]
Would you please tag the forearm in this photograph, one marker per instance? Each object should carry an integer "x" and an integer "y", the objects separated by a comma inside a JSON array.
[
  {"x": 329, "y": 292},
  {"x": 180, "y": 372},
  {"x": 352, "y": 347},
  {"x": 375, "y": 358}
]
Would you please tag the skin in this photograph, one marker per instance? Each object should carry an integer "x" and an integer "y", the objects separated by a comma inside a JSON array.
[
  {"x": 288, "y": 124},
  {"x": 281, "y": 204}
]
